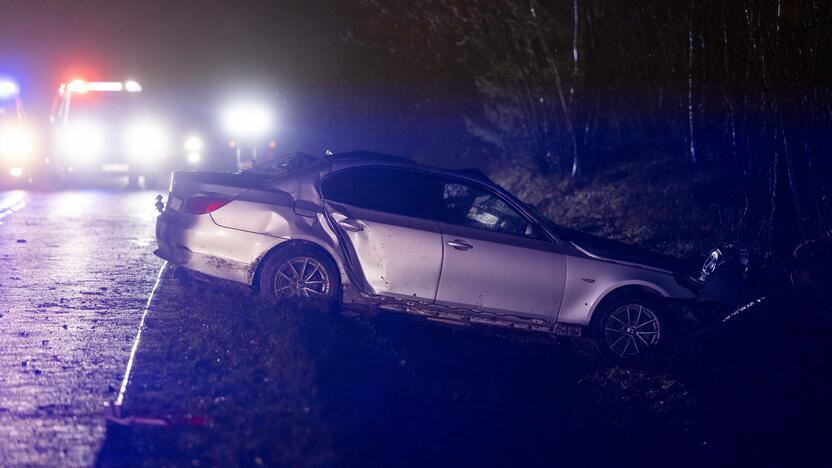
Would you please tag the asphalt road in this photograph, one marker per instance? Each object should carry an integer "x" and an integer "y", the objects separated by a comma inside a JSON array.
[
  {"x": 220, "y": 378},
  {"x": 75, "y": 272}
]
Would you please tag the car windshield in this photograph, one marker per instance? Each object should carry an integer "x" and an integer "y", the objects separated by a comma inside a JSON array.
[
  {"x": 542, "y": 218},
  {"x": 285, "y": 164},
  {"x": 561, "y": 232}
]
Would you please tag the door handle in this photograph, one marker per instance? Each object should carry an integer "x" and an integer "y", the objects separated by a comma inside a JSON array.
[
  {"x": 459, "y": 244},
  {"x": 351, "y": 225}
]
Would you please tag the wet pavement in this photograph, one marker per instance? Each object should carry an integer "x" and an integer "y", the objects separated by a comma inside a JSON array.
[{"x": 75, "y": 272}]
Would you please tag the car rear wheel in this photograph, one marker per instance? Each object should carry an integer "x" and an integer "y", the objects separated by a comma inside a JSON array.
[
  {"x": 628, "y": 329},
  {"x": 301, "y": 275}
]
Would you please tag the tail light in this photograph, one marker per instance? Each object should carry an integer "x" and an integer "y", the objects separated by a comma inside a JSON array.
[{"x": 202, "y": 204}]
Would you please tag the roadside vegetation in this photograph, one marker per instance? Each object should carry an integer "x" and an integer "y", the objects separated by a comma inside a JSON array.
[
  {"x": 606, "y": 93},
  {"x": 645, "y": 203}
]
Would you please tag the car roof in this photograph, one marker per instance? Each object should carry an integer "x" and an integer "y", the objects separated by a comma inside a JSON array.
[{"x": 369, "y": 157}]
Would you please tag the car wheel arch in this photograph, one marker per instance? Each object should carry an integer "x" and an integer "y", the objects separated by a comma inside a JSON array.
[
  {"x": 290, "y": 245},
  {"x": 636, "y": 290}
]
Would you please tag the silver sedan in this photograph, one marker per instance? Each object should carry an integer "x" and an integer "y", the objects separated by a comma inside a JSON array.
[{"x": 452, "y": 246}]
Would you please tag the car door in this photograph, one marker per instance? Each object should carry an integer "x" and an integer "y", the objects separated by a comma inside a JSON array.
[
  {"x": 495, "y": 259},
  {"x": 381, "y": 216}
]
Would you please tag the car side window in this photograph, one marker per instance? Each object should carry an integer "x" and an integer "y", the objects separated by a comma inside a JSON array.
[
  {"x": 468, "y": 205},
  {"x": 397, "y": 191}
]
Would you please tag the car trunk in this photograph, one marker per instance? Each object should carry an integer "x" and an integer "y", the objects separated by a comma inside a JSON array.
[{"x": 185, "y": 184}]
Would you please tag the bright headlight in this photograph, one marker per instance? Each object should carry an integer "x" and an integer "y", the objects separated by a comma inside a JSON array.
[
  {"x": 146, "y": 140},
  {"x": 194, "y": 157},
  {"x": 247, "y": 120},
  {"x": 82, "y": 141},
  {"x": 16, "y": 142},
  {"x": 8, "y": 89},
  {"x": 194, "y": 144}
]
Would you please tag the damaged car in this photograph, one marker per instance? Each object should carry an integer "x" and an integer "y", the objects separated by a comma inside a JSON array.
[{"x": 363, "y": 228}]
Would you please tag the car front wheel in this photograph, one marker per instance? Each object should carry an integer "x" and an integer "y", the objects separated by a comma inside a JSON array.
[
  {"x": 627, "y": 329},
  {"x": 301, "y": 275}
]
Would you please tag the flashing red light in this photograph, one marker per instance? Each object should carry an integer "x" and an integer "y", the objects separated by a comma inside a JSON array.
[{"x": 203, "y": 204}]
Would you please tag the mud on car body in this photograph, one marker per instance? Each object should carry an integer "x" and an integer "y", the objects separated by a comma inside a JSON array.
[{"x": 373, "y": 229}]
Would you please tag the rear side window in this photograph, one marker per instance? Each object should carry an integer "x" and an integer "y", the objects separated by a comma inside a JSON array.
[{"x": 397, "y": 191}]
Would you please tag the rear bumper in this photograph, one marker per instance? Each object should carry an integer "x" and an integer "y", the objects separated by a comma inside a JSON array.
[{"x": 199, "y": 244}]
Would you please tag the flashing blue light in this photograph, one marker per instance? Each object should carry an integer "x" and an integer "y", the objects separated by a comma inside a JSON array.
[{"x": 8, "y": 89}]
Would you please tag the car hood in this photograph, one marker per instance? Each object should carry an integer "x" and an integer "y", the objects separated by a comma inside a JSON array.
[{"x": 610, "y": 250}]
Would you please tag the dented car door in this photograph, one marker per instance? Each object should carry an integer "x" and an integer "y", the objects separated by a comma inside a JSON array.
[{"x": 381, "y": 216}]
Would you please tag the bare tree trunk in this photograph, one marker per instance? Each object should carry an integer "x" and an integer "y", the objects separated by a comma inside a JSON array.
[
  {"x": 691, "y": 140},
  {"x": 791, "y": 169},
  {"x": 791, "y": 172},
  {"x": 729, "y": 99},
  {"x": 815, "y": 194},
  {"x": 550, "y": 60},
  {"x": 573, "y": 99},
  {"x": 575, "y": 23}
]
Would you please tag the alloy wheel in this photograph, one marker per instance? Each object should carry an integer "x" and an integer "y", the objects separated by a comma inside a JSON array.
[
  {"x": 631, "y": 329},
  {"x": 302, "y": 277}
]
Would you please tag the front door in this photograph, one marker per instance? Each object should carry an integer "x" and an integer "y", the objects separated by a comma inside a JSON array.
[{"x": 494, "y": 258}]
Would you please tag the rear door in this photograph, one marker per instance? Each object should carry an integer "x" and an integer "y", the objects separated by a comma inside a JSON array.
[
  {"x": 495, "y": 258},
  {"x": 382, "y": 216}
]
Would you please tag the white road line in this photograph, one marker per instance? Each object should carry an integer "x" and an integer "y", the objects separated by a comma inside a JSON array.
[
  {"x": 12, "y": 202},
  {"x": 127, "y": 371}
]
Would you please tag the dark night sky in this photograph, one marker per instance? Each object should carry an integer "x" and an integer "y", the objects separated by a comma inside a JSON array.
[{"x": 193, "y": 56}]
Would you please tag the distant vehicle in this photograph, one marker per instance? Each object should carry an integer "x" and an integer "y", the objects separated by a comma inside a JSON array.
[
  {"x": 104, "y": 127},
  {"x": 367, "y": 228},
  {"x": 17, "y": 138}
]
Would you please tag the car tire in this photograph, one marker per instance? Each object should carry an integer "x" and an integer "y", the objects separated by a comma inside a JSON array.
[
  {"x": 303, "y": 276},
  {"x": 630, "y": 328}
]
